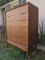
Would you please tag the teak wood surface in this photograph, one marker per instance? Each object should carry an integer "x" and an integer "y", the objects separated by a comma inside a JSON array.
[{"x": 22, "y": 26}]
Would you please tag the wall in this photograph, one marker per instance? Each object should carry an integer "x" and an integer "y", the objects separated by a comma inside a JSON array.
[{"x": 41, "y": 5}]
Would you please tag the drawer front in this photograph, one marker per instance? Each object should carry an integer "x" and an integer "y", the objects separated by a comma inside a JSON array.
[
  {"x": 18, "y": 16},
  {"x": 18, "y": 35},
  {"x": 17, "y": 25},
  {"x": 18, "y": 11},
  {"x": 18, "y": 21}
]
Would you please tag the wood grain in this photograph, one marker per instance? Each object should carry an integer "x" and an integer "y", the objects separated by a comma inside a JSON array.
[{"x": 22, "y": 26}]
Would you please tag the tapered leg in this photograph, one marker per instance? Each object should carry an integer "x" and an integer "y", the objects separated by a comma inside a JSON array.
[{"x": 27, "y": 55}]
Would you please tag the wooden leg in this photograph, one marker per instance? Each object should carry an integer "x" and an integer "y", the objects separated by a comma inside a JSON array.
[
  {"x": 27, "y": 55},
  {"x": 7, "y": 45},
  {"x": 31, "y": 56}
]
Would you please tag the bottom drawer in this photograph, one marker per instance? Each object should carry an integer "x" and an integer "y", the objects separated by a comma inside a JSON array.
[{"x": 18, "y": 35}]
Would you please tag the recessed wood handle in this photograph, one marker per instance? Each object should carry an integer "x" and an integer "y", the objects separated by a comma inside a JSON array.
[
  {"x": 22, "y": 20},
  {"x": 22, "y": 13}
]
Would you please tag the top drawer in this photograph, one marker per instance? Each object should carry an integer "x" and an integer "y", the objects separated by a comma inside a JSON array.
[
  {"x": 21, "y": 9},
  {"x": 18, "y": 16},
  {"x": 18, "y": 13}
]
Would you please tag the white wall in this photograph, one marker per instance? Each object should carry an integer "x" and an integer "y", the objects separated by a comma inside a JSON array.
[{"x": 41, "y": 5}]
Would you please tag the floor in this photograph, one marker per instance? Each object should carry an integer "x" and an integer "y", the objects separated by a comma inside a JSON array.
[{"x": 41, "y": 47}]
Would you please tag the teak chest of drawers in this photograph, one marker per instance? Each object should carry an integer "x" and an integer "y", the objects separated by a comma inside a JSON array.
[{"x": 22, "y": 26}]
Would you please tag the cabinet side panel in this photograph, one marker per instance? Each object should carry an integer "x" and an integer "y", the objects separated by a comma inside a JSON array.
[{"x": 33, "y": 26}]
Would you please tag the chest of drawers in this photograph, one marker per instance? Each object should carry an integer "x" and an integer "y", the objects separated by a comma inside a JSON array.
[{"x": 22, "y": 26}]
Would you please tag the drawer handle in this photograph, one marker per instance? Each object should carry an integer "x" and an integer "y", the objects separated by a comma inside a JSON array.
[
  {"x": 9, "y": 16},
  {"x": 22, "y": 20},
  {"x": 23, "y": 13}
]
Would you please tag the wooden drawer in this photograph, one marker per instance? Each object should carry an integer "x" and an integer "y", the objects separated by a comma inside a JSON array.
[
  {"x": 19, "y": 17},
  {"x": 17, "y": 29},
  {"x": 18, "y": 35},
  {"x": 17, "y": 23},
  {"x": 19, "y": 40},
  {"x": 17, "y": 11},
  {"x": 18, "y": 32}
]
